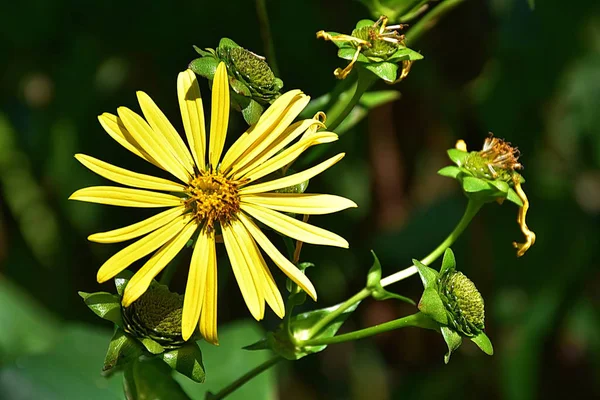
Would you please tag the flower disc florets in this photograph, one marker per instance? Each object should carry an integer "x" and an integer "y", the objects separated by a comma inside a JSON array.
[
  {"x": 381, "y": 40},
  {"x": 497, "y": 160},
  {"x": 212, "y": 197},
  {"x": 156, "y": 315},
  {"x": 464, "y": 304}
]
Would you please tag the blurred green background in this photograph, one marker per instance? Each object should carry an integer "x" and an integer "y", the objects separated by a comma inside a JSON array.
[{"x": 531, "y": 77}]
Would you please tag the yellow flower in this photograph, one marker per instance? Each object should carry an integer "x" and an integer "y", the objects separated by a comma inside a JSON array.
[{"x": 215, "y": 194}]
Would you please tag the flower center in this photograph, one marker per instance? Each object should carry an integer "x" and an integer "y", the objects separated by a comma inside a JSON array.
[{"x": 212, "y": 197}]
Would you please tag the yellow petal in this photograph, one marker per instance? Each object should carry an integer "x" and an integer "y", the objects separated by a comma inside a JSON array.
[
  {"x": 257, "y": 263},
  {"x": 140, "y": 281},
  {"x": 203, "y": 255},
  {"x": 293, "y": 228},
  {"x": 266, "y": 120},
  {"x": 160, "y": 124},
  {"x": 219, "y": 117},
  {"x": 291, "y": 180},
  {"x": 302, "y": 203},
  {"x": 125, "y": 197},
  {"x": 290, "y": 154},
  {"x": 153, "y": 143},
  {"x": 208, "y": 316},
  {"x": 126, "y": 177},
  {"x": 115, "y": 128},
  {"x": 251, "y": 292},
  {"x": 192, "y": 114},
  {"x": 285, "y": 138},
  {"x": 141, "y": 248},
  {"x": 138, "y": 229},
  {"x": 280, "y": 260},
  {"x": 265, "y": 138}
]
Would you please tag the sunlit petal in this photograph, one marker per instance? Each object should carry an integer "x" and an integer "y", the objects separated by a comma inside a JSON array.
[
  {"x": 126, "y": 177},
  {"x": 293, "y": 228},
  {"x": 141, "y": 248},
  {"x": 300, "y": 203},
  {"x": 219, "y": 117},
  {"x": 208, "y": 315},
  {"x": 291, "y": 180},
  {"x": 142, "y": 279},
  {"x": 280, "y": 260},
  {"x": 138, "y": 229},
  {"x": 251, "y": 292},
  {"x": 160, "y": 124},
  {"x": 153, "y": 143},
  {"x": 192, "y": 114},
  {"x": 125, "y": 197}
]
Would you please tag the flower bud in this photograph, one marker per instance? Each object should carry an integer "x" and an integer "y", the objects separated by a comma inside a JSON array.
[
  {"x": 464, "y": 304},
  {"x": 156, "y": 315}
]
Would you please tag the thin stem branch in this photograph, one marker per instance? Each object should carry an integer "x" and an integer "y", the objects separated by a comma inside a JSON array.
[
  {"x": 471, "y": 210},
  {"x": 338, "y": 114},
  {"x": 265, "y": 33},
  {"x": 233, "y": 386},
  {"x": 415, "y": 320}
]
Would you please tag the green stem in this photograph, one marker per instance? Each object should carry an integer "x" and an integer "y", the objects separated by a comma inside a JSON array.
[
  {"x": 471, "y": 210},
  {"x": 233, "y": 386},
  {"x": 430, "y": 19},
  {"x": 415, "y": 320},
  {"x": 265, "y": 33},
  {"x": 345, "y": 104}
]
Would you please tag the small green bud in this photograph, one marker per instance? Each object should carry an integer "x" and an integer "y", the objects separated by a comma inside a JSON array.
[
  {"x": 156, "y": 315},
  {"x": 251, "y": 67},
  {"x": 463, "y": 302}
]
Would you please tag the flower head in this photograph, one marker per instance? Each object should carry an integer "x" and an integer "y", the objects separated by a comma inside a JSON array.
[
  {"x": 216, "y": 193},
  {"x": 490, "y": 174},
  {"x": 376, "y": 45}
]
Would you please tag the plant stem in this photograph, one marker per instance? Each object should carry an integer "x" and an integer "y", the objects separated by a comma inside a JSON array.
[
  {"x": 265, "y": 33},
  {"x": 471, "y": 210},
  {"x": 233, "y": 386},
  {"x": 415, "y": 320},
  {"x": 345, "y": 104},
  {"x": 430, "y": 19}
]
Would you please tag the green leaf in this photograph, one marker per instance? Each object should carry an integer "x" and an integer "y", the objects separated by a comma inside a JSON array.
[
  {"x": 151, "y": 379},
  {"x": 448, "y": 262},
  {"x": 227, "y": 362},
  {"x": 404, "y": 54},
  {"x": 239, "y": 88},
  {"x": 501, "y": 186},
  {"x": 385, "y": 70},
  {"x": 531, "y": 4},
  {"x": 187, "y": 360},
  {"x": 203, "y": 53},
  {"x": 226, "y": 42},
  {"x": 302, "y": 324},
  {"x": 26, "y": 326},
  {"x": 347, "y": 53},
  {"x": 451, "y": 171},
  {"x": 432, "y": 305},
  {"x": 457, "y": 156},
  {"x": 105, "y": 305},
  {"x": 252, "y": 112},
  {"x": 121, "y": 281},
  {"x": 364, "y": 22},
  {"x": 71, "y": 369},
  {"x": 204, "y": 66},
  {"x": 122, "y": 350},
  {"x": 374, "y": 284},
  {"x": 428, "y": 275},
  {"x": 375, "y": 99},
  {"x": 514, "y": 197},
  {"x": 484, "y": 343},
  {"x": 453, "y": 340},
  {"x": 152, "y": 346},
  {"x": 471, "y": 184}
]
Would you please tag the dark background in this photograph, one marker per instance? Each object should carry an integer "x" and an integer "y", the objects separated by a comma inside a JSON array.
[{"x": 531, "y": 77}]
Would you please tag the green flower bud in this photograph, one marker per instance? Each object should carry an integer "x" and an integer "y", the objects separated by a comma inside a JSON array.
[
  {"x": 248, "y": 66},
  {"x": 464, "y": 304},
  {"x": 156, "y": 315}
]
